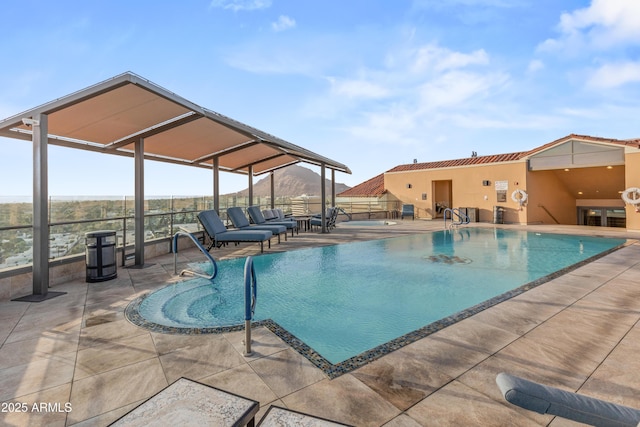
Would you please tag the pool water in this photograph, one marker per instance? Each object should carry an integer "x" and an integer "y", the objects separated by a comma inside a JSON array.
[{"x": 345, "y": 299}]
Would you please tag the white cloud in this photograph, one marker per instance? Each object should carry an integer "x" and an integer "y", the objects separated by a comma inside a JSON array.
[
  {"x": 602, "y": 25},
  {"x": 357, "y": 88},
  {"x": 535, "y": 65},
  {"x": 457, "y": 89},
  {"x": 422, "y": 4},
  {"x": 237, "y": 5},
  {"x": 614, "y": 75},
  {"x": 283, "y": 23},
  {"x": 436, "y": 58},
  {"x": 396, "y": 125},
  {"x": 423, "y": 88}
]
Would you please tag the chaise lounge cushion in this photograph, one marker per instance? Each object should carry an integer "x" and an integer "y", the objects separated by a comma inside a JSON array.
[
  {"x": 258, "y": 218},
  {"x": 215, "y": 228},
  {"x": 241, "y": 222},
  {"x": 550, "y": 400}
]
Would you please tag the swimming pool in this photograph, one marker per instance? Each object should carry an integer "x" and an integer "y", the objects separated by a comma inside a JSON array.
[{"x": 349, "y": 300}]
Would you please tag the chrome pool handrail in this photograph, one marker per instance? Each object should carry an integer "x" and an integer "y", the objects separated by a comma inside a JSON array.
[
  {"x": 250, "y": 297},
  {"x": 174, "y": 248},
  {"x": 462, "y": 218}
]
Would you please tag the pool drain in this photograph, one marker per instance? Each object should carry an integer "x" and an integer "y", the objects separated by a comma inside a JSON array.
[{"x": 447, "y": 259}]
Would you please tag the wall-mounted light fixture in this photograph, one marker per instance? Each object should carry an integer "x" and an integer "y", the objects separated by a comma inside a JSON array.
[
  {"x": 486, "y": 183},
  {"x": 408, "y": 185},
  {"x": 30, "y": 122},
  {"x": 424, "y": 196}
]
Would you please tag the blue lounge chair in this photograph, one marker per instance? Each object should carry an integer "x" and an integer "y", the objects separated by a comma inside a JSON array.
[
  {"x": 407, "y": 210},
  {"x": 240, "y": 221},
  {"x": 550, "y": 400},
  {"x": 280, "y": 215},
  {"x": 219, "y": 235},
  {"x": 258, "y": 218}
]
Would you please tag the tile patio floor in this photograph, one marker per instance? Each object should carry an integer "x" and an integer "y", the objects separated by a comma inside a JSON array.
[{"x": 580, "y": 332}]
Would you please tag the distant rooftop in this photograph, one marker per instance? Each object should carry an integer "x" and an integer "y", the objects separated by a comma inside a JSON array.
[{"x": 371, "y": 187}]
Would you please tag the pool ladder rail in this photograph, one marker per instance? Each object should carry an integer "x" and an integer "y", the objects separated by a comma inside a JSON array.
[
  {"x": 174, "y": 247},
  {"x": 456, "y": 216},
  {"x": 250, "y": 283},
  {"x": 250, "y": 297}
]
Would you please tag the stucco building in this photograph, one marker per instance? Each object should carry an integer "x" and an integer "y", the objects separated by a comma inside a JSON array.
[{"x": 577, "y": 179}]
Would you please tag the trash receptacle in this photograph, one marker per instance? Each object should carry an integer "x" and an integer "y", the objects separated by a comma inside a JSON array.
[
  {"x": 473, "y": 214},
  {"x": 101, "y": 255},
  {"x": 498, "y": 215}
]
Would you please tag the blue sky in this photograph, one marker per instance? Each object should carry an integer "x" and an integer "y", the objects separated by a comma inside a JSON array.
[{"x": 369, "y": 83}]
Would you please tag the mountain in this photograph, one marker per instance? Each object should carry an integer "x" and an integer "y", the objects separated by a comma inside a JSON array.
[{"x": 293, "y": 181}]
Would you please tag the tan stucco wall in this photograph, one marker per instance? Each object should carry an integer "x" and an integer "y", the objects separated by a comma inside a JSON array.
[
  {"x": 466, "y": 189},
  {"x": 632, "y": 179},
  {"x": 553, "y": 195},
  {"x": 546, "y": 190}
]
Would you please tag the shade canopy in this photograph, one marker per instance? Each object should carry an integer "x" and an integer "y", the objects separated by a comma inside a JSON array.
[{"x": 111, "y": 116}]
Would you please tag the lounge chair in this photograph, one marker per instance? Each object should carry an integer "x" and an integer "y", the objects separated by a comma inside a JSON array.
[
  {"x": 258, "y": 218},
  {"x": 240, "y": 221},
  {"x": 269, "y": 215},
  {"x": 550, "y": 400},
  {"x": 407, "y": 210},
  {"x": 219, "y": 235},
  {"x": 280, "y": 215},
  {"x": 330, "y": 217}
]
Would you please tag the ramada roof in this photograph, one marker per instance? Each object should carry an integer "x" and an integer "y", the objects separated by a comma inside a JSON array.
[{"x": 375, "y": 185}]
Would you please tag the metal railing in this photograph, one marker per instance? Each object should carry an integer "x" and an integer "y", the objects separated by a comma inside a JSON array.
[
  {"x": 164, "y": 217},
  {"x": 460, "y": 217},
  {"x": 202, "y": 249},
  {"x": 250, "y": 298}
]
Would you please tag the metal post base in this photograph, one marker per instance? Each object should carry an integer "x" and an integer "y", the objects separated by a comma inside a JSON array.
[{"x": 39, "y": 298}]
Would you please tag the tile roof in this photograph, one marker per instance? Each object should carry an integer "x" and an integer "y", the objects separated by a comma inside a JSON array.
[
  {"x": 468, "y": 161},
  {"x": 371, "y": 187}
]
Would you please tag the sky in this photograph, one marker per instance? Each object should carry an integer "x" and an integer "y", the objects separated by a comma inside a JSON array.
[{"x": 369, "y": 83}]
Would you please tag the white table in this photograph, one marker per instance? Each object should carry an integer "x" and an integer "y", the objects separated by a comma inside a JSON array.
[{"x": 189, "y": 403}]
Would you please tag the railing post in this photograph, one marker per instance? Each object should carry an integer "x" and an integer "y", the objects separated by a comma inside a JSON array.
[
  {"x": 124, "y": 237},
  {"x": 171, "y": 217}
]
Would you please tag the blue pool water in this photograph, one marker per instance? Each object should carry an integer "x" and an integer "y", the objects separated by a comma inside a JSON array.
[{"x": 345, "y": 299}]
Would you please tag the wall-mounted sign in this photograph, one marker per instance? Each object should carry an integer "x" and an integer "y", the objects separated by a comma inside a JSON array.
[{"x": 502, "y": 185}]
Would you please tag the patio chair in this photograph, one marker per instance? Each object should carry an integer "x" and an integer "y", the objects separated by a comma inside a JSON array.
[
  {"x": 275, "y": 215},
  {"x": 407, "y": 210},
  {"x": 269, "y": 215},
  {"x": 550, "y": 400},
  {"x": 219, "y": 235},
  {"x": 330, "y": 217},
  {"x": 240, "y": 221},
  {"x": 281, "y": 215},
  {"x": 258, "y": 218}
]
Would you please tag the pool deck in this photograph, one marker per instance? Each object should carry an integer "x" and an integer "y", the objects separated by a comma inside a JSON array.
[{"x": 579, "y": 332}]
